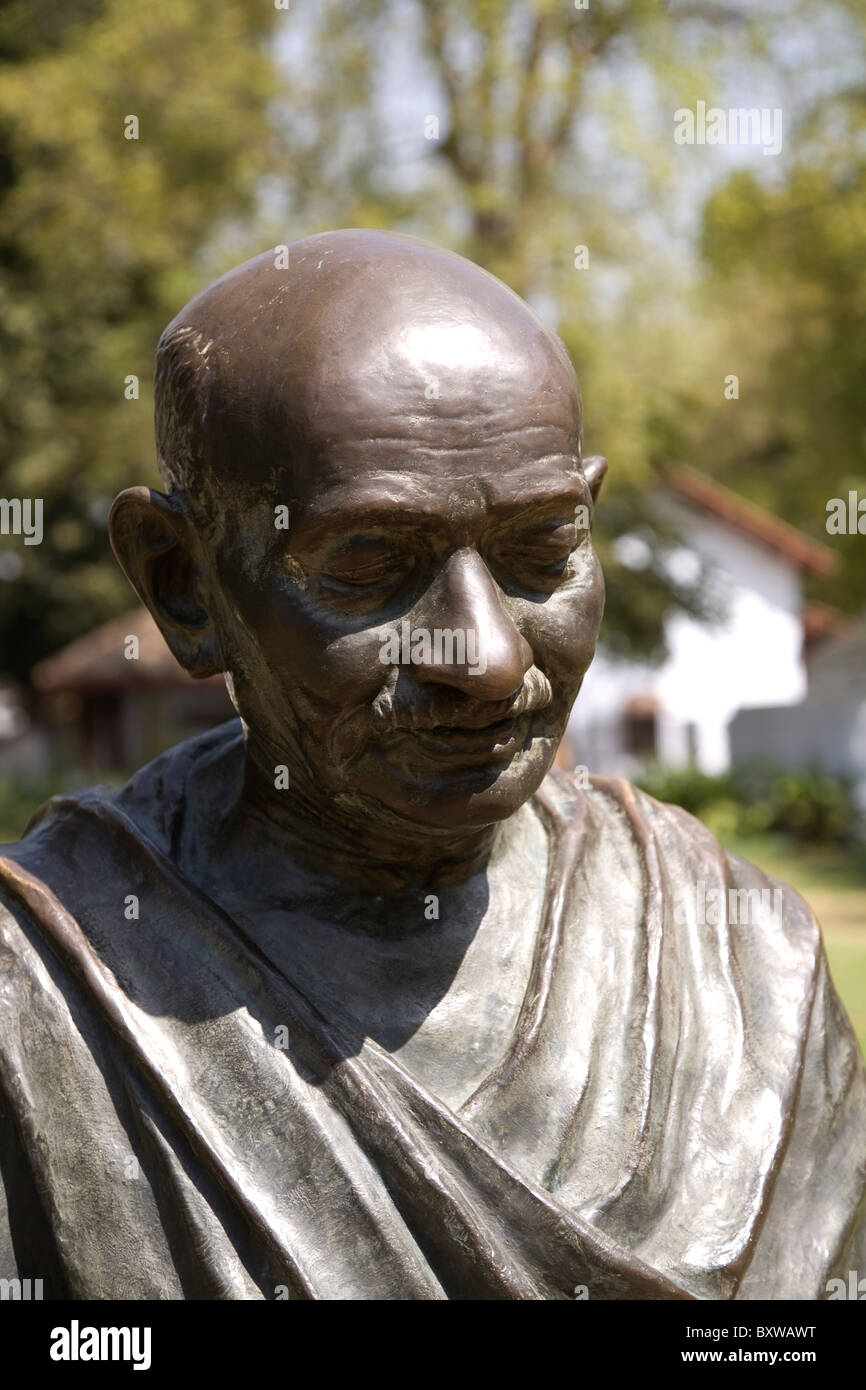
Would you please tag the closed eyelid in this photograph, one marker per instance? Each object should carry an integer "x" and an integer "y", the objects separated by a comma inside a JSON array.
[
  {"x": 388, "y": 561},
  {"x": 362, "y": 546},
  {"x": 540, "y": 531},
  {"x": 318, "y": 533}
]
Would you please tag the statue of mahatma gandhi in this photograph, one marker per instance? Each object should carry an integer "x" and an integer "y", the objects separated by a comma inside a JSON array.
[{"x": 359, "y": 997}]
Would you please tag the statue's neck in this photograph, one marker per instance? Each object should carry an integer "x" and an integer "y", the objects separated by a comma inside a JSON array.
[{"x": 368, "y": 846}]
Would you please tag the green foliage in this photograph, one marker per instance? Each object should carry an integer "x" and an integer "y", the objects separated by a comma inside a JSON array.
[
  {"x": 98, "y": 240},
  {"x": 20, "y": 798},
  {"x": 16, "y": 807},
  {"x": 807, "y": 805},
  {"x": 784, "y": 305}
]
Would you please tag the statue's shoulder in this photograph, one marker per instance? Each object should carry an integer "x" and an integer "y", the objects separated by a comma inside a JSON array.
[
  {"x": 163, "y": 793},
  {"x": 78, "y": 850},
  {"x": 681, "y": 861},
  {"x": 573, "y": 795},
  {"x": 85, "y": 857},
  {"x": 152, "y": 800}
]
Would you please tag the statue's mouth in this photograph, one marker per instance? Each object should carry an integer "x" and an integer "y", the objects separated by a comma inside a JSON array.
[
  {"x": 498, "y": 741},
  {"x": 432, "y": 710}
]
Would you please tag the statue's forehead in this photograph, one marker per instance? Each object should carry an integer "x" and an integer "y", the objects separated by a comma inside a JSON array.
[
  {"x": 447, "y": 396},
  {"x": 470, "y": 412},
  {"x": 437, "y": 454},
  {"x": 462, "y": 497},
  {"x": 366, "y": 424},
  {"x": 479, "y": 447}
]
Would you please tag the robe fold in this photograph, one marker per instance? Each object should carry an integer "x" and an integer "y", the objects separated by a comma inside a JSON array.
[{"x": 680, "y": 1113}]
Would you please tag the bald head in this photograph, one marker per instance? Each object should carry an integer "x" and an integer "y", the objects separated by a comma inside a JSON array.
[{"x": 363, "y": 334}]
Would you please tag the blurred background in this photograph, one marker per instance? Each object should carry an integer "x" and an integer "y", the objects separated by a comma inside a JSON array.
[{"x": 711, "y": 293}]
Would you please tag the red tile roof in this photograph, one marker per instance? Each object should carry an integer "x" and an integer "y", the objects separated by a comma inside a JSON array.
[
  {"x": 97, "y": 661},
  {"x": 726, "y": 506}
]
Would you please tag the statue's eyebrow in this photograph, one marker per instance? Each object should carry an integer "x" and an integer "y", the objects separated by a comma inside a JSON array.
[
  {"x": 341, "y": 511},
  {"x": 325, "y": 521},
  {"x": 569, "y": 495}
]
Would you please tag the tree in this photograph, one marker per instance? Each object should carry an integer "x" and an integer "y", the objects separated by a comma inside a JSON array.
[
  {"x": 119, "y": 153},
  {"x": 786, "y": 297}
]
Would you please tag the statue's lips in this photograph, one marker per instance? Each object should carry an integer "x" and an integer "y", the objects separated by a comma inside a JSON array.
[{"x": 498, "y": 741}]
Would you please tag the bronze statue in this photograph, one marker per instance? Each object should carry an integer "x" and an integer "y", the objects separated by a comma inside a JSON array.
[{"x": 358, "y": 997}]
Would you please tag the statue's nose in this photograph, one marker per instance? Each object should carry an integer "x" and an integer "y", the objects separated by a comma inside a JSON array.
[{"x": 479, "y": 649}]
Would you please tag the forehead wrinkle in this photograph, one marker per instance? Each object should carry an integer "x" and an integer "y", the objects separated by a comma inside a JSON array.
[
  {"x": 523, "y": 472},
  {"x": 424, "y": 450},
  {"x": 389, "y": 414},
  {"x": 417, "y": 503},
  {"x": 401, "y": 440}
]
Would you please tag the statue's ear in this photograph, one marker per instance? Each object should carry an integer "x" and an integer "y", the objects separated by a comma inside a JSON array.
[
  {"x": 152, "y": 538},
  {"x": 594, "y": 469}
]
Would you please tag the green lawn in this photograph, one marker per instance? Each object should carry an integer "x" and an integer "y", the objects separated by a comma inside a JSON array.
[
  {"x": 833, "y": 882},
  {"x": 18, "y": 805}
]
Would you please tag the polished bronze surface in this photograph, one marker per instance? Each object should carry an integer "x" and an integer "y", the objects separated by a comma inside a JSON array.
[{"x": 358, "y": 997}]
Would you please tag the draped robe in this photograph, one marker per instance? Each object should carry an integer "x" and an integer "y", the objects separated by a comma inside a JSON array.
[{"x": 680, "y": 1113}]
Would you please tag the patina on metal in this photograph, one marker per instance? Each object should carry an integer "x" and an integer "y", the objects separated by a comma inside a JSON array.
[{"x": 359, "y": 997}]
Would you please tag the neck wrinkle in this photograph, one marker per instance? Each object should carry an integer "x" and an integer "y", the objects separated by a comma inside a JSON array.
[{"x": 362, "y": 842}]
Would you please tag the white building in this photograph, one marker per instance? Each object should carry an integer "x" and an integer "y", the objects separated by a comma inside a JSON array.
[
  {"x": 827, "y": 730},
  {"x": 628, "y": 714}
]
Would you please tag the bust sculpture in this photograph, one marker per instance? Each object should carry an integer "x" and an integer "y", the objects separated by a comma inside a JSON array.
[{"x": 358, "y": 996}]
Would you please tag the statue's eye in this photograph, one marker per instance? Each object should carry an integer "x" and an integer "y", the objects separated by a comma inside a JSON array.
[
  {"x": 365, "y": 562},
  {"x": 537, "y": 558}
]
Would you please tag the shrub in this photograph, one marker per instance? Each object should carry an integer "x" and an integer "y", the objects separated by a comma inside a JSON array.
[{"x": 807, "y": 804}]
